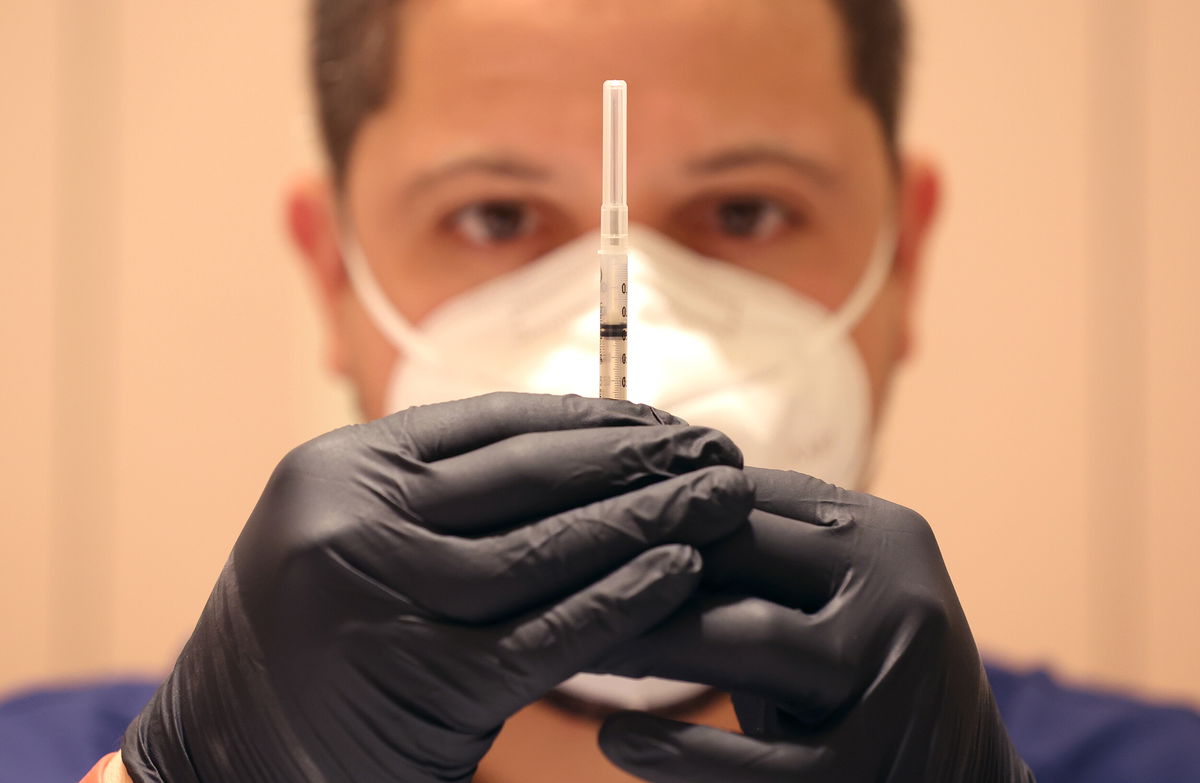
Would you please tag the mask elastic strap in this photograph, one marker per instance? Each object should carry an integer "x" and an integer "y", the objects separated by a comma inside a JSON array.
[
  {"x": 383, "y": 314},
  {"x": 864, "y": 294}
]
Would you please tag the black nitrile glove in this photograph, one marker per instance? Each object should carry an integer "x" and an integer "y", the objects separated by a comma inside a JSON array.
[
  {"x": 403, "y": 586},
  {"x": 831, "y": 618}
]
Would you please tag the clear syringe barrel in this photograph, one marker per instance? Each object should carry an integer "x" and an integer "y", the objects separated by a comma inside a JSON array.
[
  {"x": 614, "y": 252},
  {"x": 614, "y": 324}
]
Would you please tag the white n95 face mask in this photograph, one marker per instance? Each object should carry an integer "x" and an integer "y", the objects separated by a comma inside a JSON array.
[{"x": 710, "y": 342}]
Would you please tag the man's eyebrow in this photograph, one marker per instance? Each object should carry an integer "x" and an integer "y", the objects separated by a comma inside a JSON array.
[
  {"x": 762, "y": 154},
  {"x": 498, "y": 165}
]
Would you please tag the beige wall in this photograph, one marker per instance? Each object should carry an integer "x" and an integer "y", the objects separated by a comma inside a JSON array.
[
  {"x": 1045, "y": 426},
  {"x": 160, "y": 353}
]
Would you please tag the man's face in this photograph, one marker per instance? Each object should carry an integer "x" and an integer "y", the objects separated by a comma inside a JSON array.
[{"x": 747, "y": 142}]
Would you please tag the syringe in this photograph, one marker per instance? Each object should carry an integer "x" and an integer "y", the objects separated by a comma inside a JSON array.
[{"x": 614, "y": 248}]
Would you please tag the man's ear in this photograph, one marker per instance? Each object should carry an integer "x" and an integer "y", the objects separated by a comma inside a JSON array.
[
  {"x": 312, "y": 223},
  {"x": 920, "y": 198}
]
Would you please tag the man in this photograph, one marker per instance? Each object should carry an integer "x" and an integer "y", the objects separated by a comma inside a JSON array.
[{"x": 354, "y": 633}]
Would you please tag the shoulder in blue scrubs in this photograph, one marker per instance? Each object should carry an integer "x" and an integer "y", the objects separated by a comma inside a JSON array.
[{"x": 1067, "y": 735}]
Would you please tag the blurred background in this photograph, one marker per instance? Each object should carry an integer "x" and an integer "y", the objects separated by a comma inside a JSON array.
[{"x": 161, "y": 352}]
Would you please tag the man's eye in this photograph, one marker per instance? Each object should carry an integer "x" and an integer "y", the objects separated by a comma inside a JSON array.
[
  {"x": 751, "y": 218},
  {"x": 493, "y": 222}
]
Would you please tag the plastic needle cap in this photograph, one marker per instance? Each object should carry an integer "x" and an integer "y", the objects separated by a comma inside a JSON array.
[{"x": 614, "y": 211}]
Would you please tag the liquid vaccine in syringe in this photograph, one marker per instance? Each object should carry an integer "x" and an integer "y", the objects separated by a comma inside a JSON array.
[{"x": 614, "y": 248}]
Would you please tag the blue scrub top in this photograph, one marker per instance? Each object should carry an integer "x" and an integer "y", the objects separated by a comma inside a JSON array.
[{"x": 1067, "y": 735}]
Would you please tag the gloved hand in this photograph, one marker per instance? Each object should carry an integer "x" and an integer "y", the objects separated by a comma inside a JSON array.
[
  {"x": 405, "y": 585},
  {"x": 831, "y": 618}
]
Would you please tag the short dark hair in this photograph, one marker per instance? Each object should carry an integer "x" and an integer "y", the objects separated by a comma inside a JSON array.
[{"x": 353, "y": 41}]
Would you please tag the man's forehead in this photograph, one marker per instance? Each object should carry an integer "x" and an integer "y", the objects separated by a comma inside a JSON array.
[
  {"x": 717, "y": 74},
  {"x": 550, "y": 48}
]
